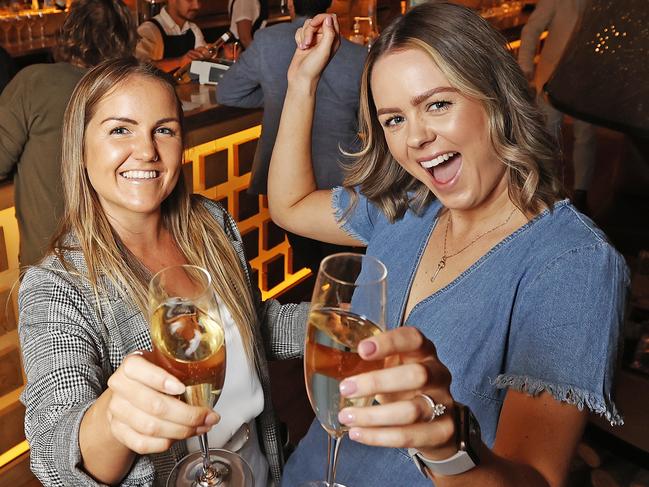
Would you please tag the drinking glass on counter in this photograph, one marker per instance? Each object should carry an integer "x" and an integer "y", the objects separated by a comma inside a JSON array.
[
  {"x": 189, "y": 342},
  {"x": 6, "y": 23},
  {"x": 348, "y": 305}
]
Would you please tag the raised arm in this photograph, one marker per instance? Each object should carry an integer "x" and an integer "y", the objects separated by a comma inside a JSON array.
[{"x": 294, "y": 201}]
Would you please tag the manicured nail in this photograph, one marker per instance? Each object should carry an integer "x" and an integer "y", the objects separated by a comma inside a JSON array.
[
  {"x": 355, "y": 434},
  {"x": 347, "y": 387},
  {"x": 367, "y": 348},
  {"x": 173, "y": 386},
  {"x": 345, "y": 417},
  {"x": 211, "y": 419}
]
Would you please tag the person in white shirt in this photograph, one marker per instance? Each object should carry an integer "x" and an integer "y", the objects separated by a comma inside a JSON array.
[
  {"x": 246, "y": 17},
  {"x": 559, "y": 17},
  {"x": 171, "y": 39}
]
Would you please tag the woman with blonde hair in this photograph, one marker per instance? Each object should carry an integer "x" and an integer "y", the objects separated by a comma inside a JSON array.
[
  {"x": 95, "y": 412},
  {"x": 505, "y": 302},
  {"x": 31, "y": 115}
]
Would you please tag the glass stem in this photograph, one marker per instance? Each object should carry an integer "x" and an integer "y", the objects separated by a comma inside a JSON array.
[
  {"x": 333, "y": 446},
  {"x": 206, "y": 452}
]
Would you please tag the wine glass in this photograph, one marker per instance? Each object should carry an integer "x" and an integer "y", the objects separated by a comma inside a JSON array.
[
  {"x": 348, "y": 305},
  {"x": 189, "y": 342}
]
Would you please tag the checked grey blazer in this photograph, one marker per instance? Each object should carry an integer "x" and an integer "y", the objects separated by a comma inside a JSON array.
[{"x": 73, "y": 340}]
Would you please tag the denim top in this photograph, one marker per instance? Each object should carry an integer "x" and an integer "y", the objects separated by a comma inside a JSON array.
[{"x": 541, "y": 311}]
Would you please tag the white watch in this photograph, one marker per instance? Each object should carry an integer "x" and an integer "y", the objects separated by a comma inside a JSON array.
[{"x": 468, "y": 442}]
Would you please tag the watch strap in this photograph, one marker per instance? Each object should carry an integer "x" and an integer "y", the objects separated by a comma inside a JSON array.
[
  {"x": 459, "y": 463},
  {"x": 468, "y": 440}
]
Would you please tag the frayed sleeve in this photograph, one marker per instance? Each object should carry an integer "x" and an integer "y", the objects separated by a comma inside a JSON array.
[
  {"x": 566, "y": 328},
  {"x": 354, "y": 212}
]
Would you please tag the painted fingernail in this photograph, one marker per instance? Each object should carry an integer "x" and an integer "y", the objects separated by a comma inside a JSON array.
[
  {"x": 173, "y": 386},
  {"x": 355, "y": 434},
  {"x": 211, "y": 419},
  {"x": 367, "y": 348},
  {"x": 345, "y": 417},
  {"x": 347, "y": 387}
]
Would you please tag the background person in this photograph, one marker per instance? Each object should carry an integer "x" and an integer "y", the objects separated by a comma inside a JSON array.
[
  {"x": 258, "y": 79},
  {"x": 31, "y": 114},
  {"x": 508, "y": 293},
  {"x": 171, "y": 39},
  {"x": 559, "y": 17},
  {"x": 95, "y": 414},
  {"x": 246, "y": 18}
]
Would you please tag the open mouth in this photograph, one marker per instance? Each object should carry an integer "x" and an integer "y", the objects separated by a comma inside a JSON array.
[
  {"x": 444, "y": 167},
  {"x": 140, "y": 174}
]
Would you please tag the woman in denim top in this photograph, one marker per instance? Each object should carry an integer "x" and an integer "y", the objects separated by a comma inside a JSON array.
[{"x": 495, "y": 281}]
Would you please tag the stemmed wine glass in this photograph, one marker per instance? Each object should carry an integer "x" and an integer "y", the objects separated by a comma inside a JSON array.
[
  {"x": 348, "y": 305},
  {"x": 189, "y": 342}
]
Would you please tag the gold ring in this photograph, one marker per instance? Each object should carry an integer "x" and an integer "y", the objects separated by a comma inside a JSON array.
[{"x": 436, "y": 409}]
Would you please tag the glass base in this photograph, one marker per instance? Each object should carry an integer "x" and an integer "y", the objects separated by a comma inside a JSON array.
[
  {"x": 233, "y": 471},
  {"x": 320, "y": 483}
]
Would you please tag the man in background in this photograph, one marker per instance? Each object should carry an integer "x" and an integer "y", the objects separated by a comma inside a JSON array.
[
  {"x": 258, "y": 79},
  {"x": 559, "y": 17},
  {"x": 246, "y": 18},
  {"x": 171, "y": 39}
]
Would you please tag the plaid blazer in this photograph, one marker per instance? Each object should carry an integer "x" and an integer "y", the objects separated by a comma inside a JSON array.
[{"x": 73, "y": 339}]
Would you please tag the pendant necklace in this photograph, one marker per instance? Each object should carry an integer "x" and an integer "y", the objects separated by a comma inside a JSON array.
[{"x": 442, "y": 262}]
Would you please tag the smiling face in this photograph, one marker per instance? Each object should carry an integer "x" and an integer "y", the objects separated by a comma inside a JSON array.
[
  {"x": 434, "y": 132},
  {"x": 133, "y": 148}
]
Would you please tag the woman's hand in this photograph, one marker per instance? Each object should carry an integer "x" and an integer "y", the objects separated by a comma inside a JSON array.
[
  {"x": 317, "y": 41},
  {"x": 404, "y": 419},
  {"x": 143, "y": 414}
]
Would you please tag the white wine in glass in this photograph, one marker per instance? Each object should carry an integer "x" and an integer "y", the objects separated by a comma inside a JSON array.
[
  {"x": 347, "y": 306},
  {"x": 189, "y": 342}
]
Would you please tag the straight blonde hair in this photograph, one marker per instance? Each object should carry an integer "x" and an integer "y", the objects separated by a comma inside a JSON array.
[
  {"x": 473, "y": 56},
  {"x": 199, "y": 236}
]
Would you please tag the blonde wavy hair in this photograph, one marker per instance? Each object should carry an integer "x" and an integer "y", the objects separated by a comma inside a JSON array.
[
  {"x": 473, "y": 56},
  {"x": 85, "y": 226}
]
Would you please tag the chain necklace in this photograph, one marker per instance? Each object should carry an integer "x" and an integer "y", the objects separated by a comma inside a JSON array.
[{"x": 442, "y": 262}]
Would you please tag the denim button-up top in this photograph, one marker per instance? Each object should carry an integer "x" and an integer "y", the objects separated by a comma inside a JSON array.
[{"x": 541, "y": 311}]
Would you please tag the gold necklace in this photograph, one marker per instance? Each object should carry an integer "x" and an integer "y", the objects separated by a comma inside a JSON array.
[{"x": 442, "y": 262}]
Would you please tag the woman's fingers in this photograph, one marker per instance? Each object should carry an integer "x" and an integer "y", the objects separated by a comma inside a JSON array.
[
  {"x": 141, "y": 444},
  {"x": 428, "y": 374},
  {"x": 160, "y": 405},
  {"x": 403, "y": 412},
  {"x": 313, "y": 29},
  {"x": 139, "y": 369},
  {"x": 147, "y": 424},
  {"x": 404, "y": 340},
  {"x": 441, "y": 434}
]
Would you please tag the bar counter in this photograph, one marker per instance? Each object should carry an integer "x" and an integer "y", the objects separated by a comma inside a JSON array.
[{"x": 220, "y": 143}]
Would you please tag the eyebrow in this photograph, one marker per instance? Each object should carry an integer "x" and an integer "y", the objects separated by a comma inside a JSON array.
[
  {"x": 133, "y": 122},
  {"x": 416, "y": 100}
]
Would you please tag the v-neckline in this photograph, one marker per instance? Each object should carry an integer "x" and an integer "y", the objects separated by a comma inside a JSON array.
[
  {"x": 420, "y": 253},
  {"x": 422, "y": 248}
]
